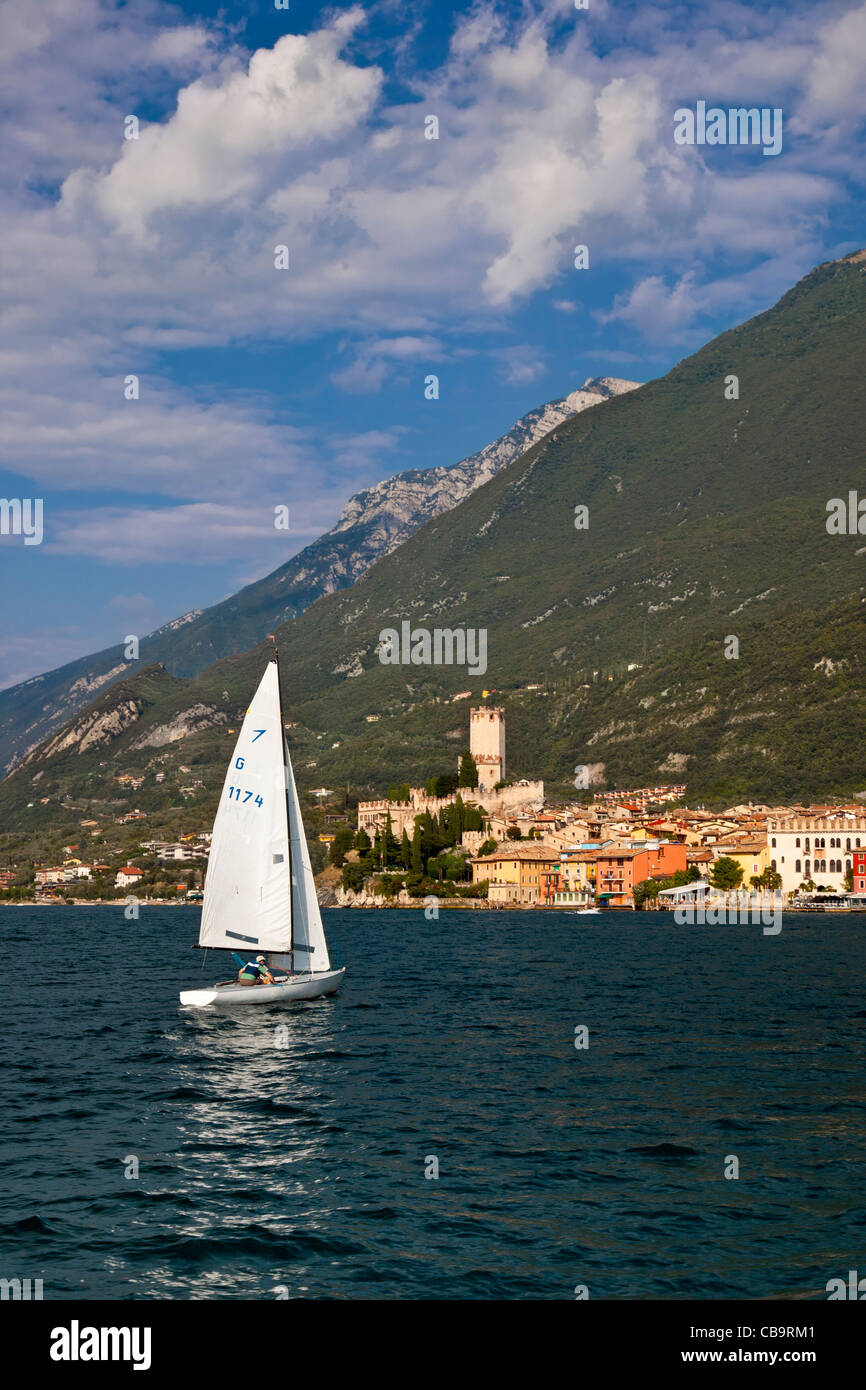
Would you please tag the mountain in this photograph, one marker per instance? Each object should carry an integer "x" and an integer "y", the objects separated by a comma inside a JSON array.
[
  {"x": 706, "y": 625},
  {"x": 373, "y": 523}
]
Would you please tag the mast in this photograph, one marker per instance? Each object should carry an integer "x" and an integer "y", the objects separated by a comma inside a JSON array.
[{"x": 288, "y": 812}]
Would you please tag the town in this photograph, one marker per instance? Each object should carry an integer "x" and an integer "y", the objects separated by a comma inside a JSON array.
[
  {"x": 623, "y": 850},
  {"x": 475, "y": 838}
]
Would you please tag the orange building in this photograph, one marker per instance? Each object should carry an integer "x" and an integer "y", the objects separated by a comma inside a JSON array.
[{"x": 619, "y": 868}]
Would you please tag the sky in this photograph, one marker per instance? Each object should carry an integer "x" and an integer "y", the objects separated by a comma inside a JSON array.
[{"x": 146, "y": 248}]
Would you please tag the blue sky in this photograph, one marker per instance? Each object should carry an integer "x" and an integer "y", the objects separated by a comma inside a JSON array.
[{"x": 305, "y": 127}]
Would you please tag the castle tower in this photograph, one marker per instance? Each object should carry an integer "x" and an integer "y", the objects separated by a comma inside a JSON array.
[{"x": 487, "y": 744}]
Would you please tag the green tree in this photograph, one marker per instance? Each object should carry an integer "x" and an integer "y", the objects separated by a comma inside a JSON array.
[
  {"x": 446, "y": 784},
  {"x": 340, "y": 845},
  {"x": 353, "y": 876},
  {"x": 405, "y": 850},
  {"x": 417, "y": 859},
  {"x": 726, "y": 874},
  {"x": 390, "y": 848},
  {"x": 468, "y": 771},
  {"x": 362, "y": 842}
]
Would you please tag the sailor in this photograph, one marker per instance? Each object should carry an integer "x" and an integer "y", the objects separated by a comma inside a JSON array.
[{"x": 255, "y": 972}]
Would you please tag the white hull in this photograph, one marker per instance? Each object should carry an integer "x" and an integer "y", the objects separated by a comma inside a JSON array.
[
  {"x": 588, "y": 911},
  {"x": 299, "y": 987}
]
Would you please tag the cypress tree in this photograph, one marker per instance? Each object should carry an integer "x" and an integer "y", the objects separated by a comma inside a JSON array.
[
  {"x": 417, "y": 860},
  {"x": 468, "y": 771}
]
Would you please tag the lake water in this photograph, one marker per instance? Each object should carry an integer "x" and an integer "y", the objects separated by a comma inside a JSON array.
[{"x": 303, "y": 1166}]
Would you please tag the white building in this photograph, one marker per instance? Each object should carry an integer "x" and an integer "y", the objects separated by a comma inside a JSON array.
[
  {"x": 128, "y": 875},
  {"x": 815, "y": 846},
  {"x": 169, "y": 854}
]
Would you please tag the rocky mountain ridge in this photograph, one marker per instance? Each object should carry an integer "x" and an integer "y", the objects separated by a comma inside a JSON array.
[{"x": 373, "y": 523}]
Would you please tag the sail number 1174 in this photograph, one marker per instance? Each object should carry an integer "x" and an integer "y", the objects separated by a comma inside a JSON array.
[{"x": 236, "y": 793}]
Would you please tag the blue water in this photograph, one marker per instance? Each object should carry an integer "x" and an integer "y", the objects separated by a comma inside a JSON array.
[{"x": 304, "y": 1166}]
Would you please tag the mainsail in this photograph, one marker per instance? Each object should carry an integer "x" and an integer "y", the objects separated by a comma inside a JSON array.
[{"x": 247, "y": 902}]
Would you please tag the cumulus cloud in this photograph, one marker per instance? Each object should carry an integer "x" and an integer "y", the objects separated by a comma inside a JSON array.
[
  {"x": 234, "y": 137},
  {"x": 657, "y": 309},
  {"x": 549, "y": 136}
]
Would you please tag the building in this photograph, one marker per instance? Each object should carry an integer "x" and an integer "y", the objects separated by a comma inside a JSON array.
[
  {"x": 576, "y": 887},
  {"x": 518, "y": 874},
  {"x": 128, "y": 876},
  {"x": 815, "y": 845},
  {"x": 751, "y": 852},
  {"x": 487, "y": 745},
  {"x": 577, "y": 869},
  {"x": 858, "y": 866},
  {"x": 646, "y": 796},
  {"x": 66, "y": 873},
  {"x": 169, "y": 854},
  {"x": 620, "y": 868}
]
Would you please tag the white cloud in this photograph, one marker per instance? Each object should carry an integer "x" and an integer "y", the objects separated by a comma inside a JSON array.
[
  {"x": 658, "y": 310},
  {"x": 235, "y": 137},
  {"x": 396, "y": 241},
  {"x": 835, "y": 86},
  {"x": 200, "y": 533},
  {"x": 519, "y": 364},
  {"x": 373, "y": 361}
]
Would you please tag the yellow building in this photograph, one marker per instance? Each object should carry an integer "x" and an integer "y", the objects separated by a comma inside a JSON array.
[
  {"x": 518, "y": 874},
  {"x": 751, "y": 853},
  {"x": 577, "y": 871}
]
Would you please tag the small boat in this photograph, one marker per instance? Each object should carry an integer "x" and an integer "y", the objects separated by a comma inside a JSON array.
[
  {"x": 259, "y": 892},
  {"x": 588, "y": 911}
]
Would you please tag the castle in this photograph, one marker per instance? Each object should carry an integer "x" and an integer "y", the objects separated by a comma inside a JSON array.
[{"x": 487, "y": 746}]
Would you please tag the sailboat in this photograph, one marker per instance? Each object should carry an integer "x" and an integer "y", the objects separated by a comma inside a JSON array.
[{"x": 259, "y": 892}]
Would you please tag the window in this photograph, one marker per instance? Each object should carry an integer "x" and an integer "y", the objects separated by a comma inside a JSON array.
[
  {"x": 797, "y": 842},
  {"x": 807, "y": 844},
  {"x": 773, "y": 842},
  {"x": 773, "y": 865},
  {"x": 797, "y": 867}
]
